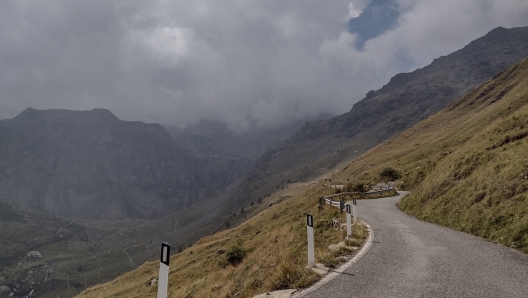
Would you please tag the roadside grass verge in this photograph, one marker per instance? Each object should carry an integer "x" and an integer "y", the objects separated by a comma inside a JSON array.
[{"x": 267, "y": 252}]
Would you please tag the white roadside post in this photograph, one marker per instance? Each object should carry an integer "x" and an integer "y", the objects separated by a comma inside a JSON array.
[
  {"x": 354, "y": 210},
  {"x": 163, "y": 280},
  {"x": 349, "y": 221},
  {"x": 309, "y": 228}
]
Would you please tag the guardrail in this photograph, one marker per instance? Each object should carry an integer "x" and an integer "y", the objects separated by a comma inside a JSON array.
[{"x": 328, "y": 199}]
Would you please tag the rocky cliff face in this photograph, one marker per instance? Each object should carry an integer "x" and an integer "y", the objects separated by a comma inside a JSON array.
[
  {"x": 405, "y": 100},
  {"x": 90, "y": 164}
]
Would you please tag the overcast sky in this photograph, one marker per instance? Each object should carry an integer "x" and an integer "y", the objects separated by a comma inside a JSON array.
[{"x": 241, "y": 62}]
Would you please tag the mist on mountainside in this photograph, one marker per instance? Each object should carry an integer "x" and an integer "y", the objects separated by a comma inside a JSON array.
[
  {"x": 213, "y": 139},
  {"x": 321, "y": 147}
]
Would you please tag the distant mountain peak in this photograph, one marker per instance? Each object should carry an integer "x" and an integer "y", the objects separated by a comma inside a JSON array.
[{"x": 95, "y": 115}]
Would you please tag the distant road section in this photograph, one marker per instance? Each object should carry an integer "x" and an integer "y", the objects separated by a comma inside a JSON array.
[{"x": 412, "y": 258}]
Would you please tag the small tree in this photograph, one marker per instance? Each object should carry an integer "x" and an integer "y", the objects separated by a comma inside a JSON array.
[{"x": 389, "y": 174}]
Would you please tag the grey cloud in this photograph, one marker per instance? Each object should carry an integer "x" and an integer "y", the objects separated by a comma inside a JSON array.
[{"x": 241, "y": 62}]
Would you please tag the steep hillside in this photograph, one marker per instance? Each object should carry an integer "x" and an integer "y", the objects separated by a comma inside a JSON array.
[
  {"x": 91, "y": 193},
  {"x": 467, "y": 165},
  {"x": 71, "y": 163},
  {"x": 464, "y": 165},
  {"x": 405, "y": 100},
  {"x": 275, "y": 245}
]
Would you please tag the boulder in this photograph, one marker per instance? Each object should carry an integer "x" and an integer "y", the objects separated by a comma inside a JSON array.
[{"x": 34, "y": 254}]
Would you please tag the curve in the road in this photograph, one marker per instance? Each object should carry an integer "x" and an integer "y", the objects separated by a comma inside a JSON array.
[
  {"x": 333, "y": 273},
  {"x": 412, "y": 258}
]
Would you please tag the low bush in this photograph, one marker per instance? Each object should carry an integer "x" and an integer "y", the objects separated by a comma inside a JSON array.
[{"x": 235, "y": 254}]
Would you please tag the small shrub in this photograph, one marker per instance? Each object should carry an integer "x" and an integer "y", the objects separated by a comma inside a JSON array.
[
  {"x": 235, "y": 254},
  {"x": 389, "y": 174}
]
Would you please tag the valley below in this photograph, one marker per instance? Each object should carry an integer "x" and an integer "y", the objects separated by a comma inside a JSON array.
[{"x": 86, "y": 197}]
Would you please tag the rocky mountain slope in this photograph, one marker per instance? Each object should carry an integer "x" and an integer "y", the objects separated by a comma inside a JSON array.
[
  {"x": 90, "y": 164},
  {"x": 466, "y": 166},
  {"x": 382, "y": 114}
]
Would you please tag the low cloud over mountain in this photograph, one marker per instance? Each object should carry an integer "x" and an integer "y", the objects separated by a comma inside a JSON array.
[{"x": 243, "y": 63}]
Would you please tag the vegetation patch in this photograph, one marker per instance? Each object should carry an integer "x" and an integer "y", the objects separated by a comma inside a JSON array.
[
  {"x": 470, "y": 171},
  {"x": 235, "y": 254},
  {"x": 267, "y": 252}
]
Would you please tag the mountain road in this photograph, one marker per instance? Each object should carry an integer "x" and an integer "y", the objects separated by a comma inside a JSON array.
[{"x": 412, "y": 258}]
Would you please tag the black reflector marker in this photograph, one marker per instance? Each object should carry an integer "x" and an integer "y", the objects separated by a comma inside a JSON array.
[{"x": 165, "y": 253}]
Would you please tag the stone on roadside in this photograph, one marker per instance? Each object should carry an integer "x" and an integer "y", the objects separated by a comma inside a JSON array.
[{"x": 333, "y": 247}]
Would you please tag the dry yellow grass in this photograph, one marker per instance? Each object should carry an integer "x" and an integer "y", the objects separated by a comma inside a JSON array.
[
  {"x": 467, "y": 166},
  {"x": 276, "y": 246}
]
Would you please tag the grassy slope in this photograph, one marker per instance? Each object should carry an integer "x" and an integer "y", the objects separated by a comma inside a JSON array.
[
  {"x": 467, "y": 166},
  {"x": 275, "y": 240}
]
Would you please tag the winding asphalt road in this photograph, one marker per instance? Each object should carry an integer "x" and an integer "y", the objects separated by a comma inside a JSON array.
[{"x": 412, "y": 258}]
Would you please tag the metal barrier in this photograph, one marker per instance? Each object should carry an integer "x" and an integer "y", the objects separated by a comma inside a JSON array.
[{"x": 328, "y": 199}]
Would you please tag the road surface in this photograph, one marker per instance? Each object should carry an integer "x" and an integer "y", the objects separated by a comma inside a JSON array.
[{"x": 412, "y": 258}]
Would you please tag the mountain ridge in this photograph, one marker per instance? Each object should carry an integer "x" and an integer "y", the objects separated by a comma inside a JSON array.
[
  {"x": 70, "y": 162},
  {"x": 405, "y": 100}
]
